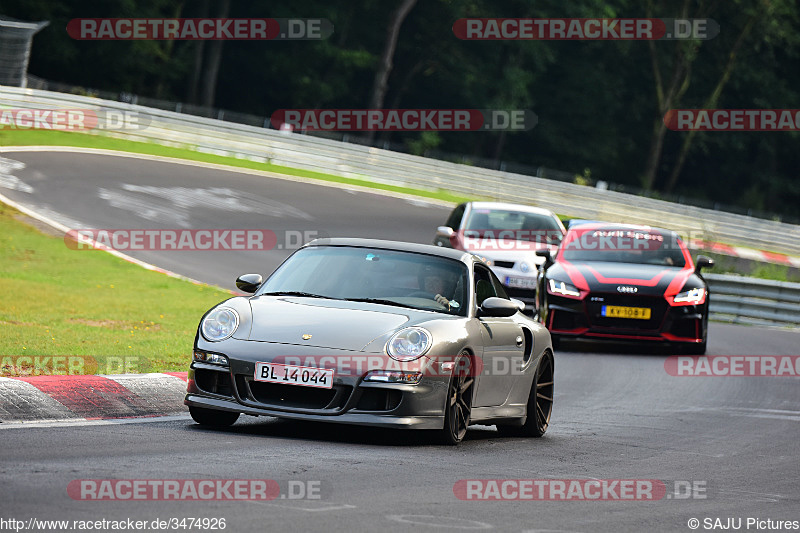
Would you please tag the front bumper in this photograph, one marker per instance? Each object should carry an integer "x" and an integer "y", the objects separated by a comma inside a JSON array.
[
  {"x": 350, "y": 401},
  {"x": 355, "y": 417},
  {"x": 569, "y": 317}
]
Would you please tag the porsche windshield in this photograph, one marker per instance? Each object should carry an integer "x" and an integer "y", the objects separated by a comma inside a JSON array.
[
  {"x": 388, "y": 277},
  {"x": 616, "y": 245}
]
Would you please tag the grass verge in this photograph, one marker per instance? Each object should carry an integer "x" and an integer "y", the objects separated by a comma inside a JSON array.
[{"x": 93, "y": 311}]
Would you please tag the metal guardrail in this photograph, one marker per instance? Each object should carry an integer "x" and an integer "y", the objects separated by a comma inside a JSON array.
[
  {"x": 753, "y": 301},
  {"x": 382, "y": 166}
]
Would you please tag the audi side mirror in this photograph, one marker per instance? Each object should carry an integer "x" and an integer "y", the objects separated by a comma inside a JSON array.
[{"x": 703, "y": 262}]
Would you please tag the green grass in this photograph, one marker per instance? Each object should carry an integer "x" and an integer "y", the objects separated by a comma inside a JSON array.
[
  {"x": 85, "y": 140},
  {"x": 771, "y": 271},
  {"x": 108, "y": 315},
  {"x": 729, "y": 265}
]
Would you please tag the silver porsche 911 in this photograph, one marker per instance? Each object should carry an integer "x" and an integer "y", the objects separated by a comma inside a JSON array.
[{"x": 375, "y": 333}]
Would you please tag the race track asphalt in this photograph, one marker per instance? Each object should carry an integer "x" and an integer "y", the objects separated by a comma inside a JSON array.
[{"x": 618, "y": 413}]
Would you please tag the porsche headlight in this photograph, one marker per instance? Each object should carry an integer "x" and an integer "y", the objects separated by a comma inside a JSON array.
[
  {"x": 562, "y": 288},
  {"x": 409, "y": 344},
  {"x": 693, "y": 296},
  {"x": 214, "y": 358},
  {"x": 219, "y": 324}
]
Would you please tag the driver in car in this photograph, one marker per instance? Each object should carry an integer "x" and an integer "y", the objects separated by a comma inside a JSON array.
[{"x": 433, "y": 282}]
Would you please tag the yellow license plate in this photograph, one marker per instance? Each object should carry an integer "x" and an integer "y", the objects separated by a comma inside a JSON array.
[{"x": 616, "y": 311}]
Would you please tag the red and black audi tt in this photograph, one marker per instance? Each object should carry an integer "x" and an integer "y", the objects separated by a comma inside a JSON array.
[{"x": 618, "y": 281}]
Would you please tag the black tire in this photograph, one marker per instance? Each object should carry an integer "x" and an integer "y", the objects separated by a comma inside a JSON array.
[
  {"x": 458, "y": 406},
  {"x": 540, "y": 403},
  {"x": 698, "y": 348},
  {"x": 695, "y": 349},
  {"x": 212, "y": 417}
]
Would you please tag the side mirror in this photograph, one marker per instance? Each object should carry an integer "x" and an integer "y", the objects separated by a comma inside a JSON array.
[
  {"x": 445, "y": 231},
  {"x": 548, "y": 257},
  {"x": 703, "y": 262},
  {"x": 498, "y": 307},
  {"x": 519, "y": 303},
  {"x": 249, "y": 282}
]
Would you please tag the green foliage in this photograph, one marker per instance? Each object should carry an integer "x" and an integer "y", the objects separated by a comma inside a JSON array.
[
  {"x": 585, "y": 178},
  {"x": 428, "y": 140},
  {"x": 596, "y": 100}
]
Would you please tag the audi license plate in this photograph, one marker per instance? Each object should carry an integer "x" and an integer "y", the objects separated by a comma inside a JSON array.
[
  {"x": 616, "y": 311},
  {"x": 321, "y": 378}
]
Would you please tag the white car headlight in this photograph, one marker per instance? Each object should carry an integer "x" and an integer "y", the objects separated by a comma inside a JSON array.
[
  {"x": 695, "y": 296},
  {"x": 219, "y": 324},
  {"x": 564, "y": 289},
  {"x": 409, "y": 344}
]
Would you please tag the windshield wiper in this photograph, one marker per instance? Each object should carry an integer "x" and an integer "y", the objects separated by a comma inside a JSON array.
[
  {"x": 294, "y": 293},
  {"x": 380, "y": 301}
]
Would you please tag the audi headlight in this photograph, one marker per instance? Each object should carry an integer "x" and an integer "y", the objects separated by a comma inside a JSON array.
[
  {"x": 562, "y": 288},
  {"x": 219, "y": 324},
  {"x": 692, "y": 296},
  {"x": 409, "y": 344}
]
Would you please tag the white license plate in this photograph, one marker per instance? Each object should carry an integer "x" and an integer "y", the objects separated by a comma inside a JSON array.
[
  {"x": 520, "y": 283},
  {"x": 322, "y": 378}
]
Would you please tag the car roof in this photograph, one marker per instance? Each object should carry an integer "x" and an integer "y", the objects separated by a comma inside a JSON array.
[
  {"x": 511, "y": 207},
  {"x": 428, "y": 249},
  {"x": 612, "y": 226}
]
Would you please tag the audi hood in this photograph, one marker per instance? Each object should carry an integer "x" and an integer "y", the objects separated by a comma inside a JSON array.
[{"x": 650, "y": 280}]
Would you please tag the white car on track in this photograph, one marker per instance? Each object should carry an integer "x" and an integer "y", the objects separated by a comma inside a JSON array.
[{"x": 506, "y": 236}]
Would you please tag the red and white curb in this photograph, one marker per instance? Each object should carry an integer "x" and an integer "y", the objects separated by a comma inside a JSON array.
[
  {"x": 761, "y": 256},
  {"x": 91, "y": 397}
]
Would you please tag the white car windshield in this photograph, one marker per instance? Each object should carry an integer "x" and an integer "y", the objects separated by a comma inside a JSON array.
[{"x": 516, "y": 225}]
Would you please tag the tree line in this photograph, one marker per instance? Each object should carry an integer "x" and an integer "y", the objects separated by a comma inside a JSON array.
[{"x": 600, "y": 104}]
